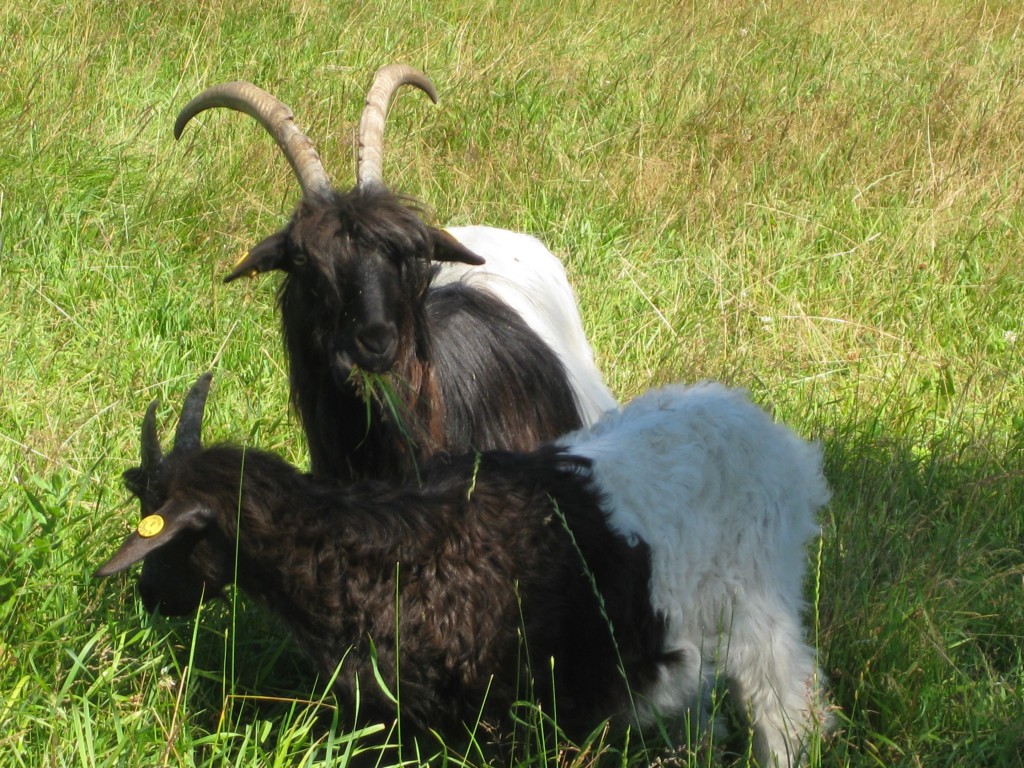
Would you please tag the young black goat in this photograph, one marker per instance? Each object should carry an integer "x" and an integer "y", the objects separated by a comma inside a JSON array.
[
  {"x": 474, "y": 555},
  {"x": 689, "y": 507},
  {"x": 480, "y": 356}
]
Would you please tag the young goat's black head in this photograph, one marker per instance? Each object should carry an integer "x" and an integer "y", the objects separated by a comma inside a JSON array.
[
  {"x": 183, "y": 561},
  {"x": 358, "y": 263}
]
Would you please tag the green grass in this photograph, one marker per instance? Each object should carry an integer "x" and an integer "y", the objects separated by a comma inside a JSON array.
[{"x": 819, "y": 202}]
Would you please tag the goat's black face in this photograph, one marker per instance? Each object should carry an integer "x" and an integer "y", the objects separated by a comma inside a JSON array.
[
  {"x": 184, "y": 556},
  {"x": 356, "y": 301},
  {"x": 180, "y": 575},
  {"x": 184, "y": 559},
  {"x": 357, "y": 269}
]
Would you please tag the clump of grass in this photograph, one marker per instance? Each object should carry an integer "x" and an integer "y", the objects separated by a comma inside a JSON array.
[{"x": 383, "y": 389}]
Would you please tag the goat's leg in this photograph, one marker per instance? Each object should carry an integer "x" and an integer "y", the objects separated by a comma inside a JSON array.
[{"x": 773, "y": 673}]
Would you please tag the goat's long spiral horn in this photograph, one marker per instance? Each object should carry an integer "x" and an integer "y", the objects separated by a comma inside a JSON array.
[
  {"x": 188, "y": 436},
  {"x": 278, "y": 121},
  {"x": 387, "y": 80}
]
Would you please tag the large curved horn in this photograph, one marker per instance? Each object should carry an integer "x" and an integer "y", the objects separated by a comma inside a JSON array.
[
  {"x": 278, "y": 121},
  {"x": 188, "y": 436},
  {"x": 371, "y": 127}
]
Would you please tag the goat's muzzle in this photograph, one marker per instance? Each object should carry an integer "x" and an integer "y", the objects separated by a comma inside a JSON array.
[{"x": 375, "y": 347}]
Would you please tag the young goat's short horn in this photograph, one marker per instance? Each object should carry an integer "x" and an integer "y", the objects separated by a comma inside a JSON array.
[
  {"x": 152, "y": 455},
  {"x": 188, "y": 436}
]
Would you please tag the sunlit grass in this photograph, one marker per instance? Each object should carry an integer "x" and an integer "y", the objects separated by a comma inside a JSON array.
[{"x": 819, "y": 202}]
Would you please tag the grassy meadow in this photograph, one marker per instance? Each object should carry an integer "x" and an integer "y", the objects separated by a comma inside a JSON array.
[{"x": 821, "y": 202}]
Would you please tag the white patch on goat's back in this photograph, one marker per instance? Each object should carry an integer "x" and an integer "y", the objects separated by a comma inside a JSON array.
[
  {"x": 738, "y": 480},
  {"x": 520, "y": 271},
  {"x": 727, "y": 501}
]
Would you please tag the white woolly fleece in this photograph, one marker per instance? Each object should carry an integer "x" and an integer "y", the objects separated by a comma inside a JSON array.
[
  {"x": 727, "y": 500},
  {"x": 531, "y": 280}
]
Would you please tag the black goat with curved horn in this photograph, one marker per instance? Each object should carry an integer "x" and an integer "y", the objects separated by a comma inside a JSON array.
[{"x": 484, "y": 361}]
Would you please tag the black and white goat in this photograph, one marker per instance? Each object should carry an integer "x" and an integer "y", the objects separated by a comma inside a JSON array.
[
  {"x": 482, "y": 355},
  {"x": 689, "y": 508}
]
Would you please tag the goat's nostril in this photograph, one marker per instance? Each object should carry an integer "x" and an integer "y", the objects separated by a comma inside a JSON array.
[{"x": 377, "y": 339}]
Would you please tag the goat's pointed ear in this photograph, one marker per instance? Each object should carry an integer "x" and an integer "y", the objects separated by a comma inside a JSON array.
[
  {"x": 269, "y": 254},
  {"x": 155, "y": 531},
  {"x": 447, "y": 248}
]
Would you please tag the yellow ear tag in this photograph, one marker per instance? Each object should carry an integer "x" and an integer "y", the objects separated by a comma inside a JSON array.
[
  {"x": 150, "y": 526},
  {"x": 243, "y": 257},
  {"x": 249, "y": 273}
]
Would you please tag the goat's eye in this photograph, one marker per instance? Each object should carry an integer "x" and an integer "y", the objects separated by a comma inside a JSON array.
[
  {"x": 400, "y": 261},
  {"x": 299, "y": 258}
]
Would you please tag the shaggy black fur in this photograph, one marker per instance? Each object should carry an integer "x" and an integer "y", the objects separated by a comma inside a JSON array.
[
  {"x": 470, "y": 372},
  {"x": 489, "y": 584}
]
